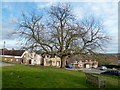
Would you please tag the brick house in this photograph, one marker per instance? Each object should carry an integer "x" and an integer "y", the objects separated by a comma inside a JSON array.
[
  {"x": 21, "y": 57},
  {"x": 12, "y": 55}
]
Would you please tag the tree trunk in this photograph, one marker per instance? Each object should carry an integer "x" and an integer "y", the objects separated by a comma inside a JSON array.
[{"x": 63, "y": 62}]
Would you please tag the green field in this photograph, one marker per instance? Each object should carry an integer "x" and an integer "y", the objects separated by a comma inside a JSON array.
[{"x": 20, "y": 76}]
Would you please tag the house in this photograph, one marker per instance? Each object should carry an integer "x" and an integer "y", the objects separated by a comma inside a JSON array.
[
  {"x": 89, "y": 64},
  {"x": 21, "y": 57},
  {"x": 33, "y": 58},
  {"x": 29, "y": 58},
  {"x": 118, "y": 62},
  {"x": 52, "y": 61},
  {"x": 80, "y": 62},
  {"x": 11, "y": 55},
  {"x": 85, "y": 64}
]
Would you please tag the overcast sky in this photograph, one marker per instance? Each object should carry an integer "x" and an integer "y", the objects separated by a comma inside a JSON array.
[{"x": 106, "y": 10}]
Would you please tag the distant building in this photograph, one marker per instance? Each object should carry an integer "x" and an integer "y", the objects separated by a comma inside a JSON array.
[
  {"x": 85, "y": 64},
  {"x": 89, "y": 64},
  {"x": 28, "y": 58},
  {"x": 118, "y": 62},
  {"x": 52, "y": 61},
  {"x": 33, "y": 58},
  {"x": 21, "y": 56}
]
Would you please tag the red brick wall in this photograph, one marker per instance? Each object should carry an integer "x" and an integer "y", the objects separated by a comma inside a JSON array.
[{"x": 14, "y": 60}]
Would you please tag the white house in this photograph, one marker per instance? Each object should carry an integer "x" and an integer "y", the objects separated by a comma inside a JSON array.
[
  {"x": 52, "y": 61},
  {"x": 85, "y": 64}
]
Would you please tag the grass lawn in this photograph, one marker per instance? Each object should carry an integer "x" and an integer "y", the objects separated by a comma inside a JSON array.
[{"x": 20, "y": 76}]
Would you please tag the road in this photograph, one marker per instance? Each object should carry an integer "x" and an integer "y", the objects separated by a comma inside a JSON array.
[
  {"x": 97, "y": 71},
  {"x": 5, "y": 64}
]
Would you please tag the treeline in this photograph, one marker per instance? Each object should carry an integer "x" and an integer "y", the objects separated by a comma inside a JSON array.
[{"x": 103, "y": 59}]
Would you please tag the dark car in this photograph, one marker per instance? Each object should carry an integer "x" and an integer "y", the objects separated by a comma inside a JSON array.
[
  {"x": 68, "y": 66},
  {"x": 112, "y": 72}
]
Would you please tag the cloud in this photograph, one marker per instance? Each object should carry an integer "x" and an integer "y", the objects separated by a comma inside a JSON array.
[
  {"x": 12, "y": 19},
  {"x": 6, "y": 6},
  {"x": 106, "y": 11},
  {"x": 9, "y": 44},
  {"x": 6, "y": 35},
  {"x": 60, "y": 0},
  {"x": 78, "y": 12},
  {"x": 9, "y": 27},
  {"x": 45, "y": 4},
  {"x": 10, "y": 39}
]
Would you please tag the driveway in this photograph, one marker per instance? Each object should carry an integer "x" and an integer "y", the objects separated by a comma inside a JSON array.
[{"x": 5, "y": 64}]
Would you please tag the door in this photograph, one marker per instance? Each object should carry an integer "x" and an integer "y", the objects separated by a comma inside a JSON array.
[
  {"x": 58, "y": 63},
  {"x": 87, "y": 66},
  {"x": 29, "y": 61},
  {"x": 22, "y": 60}
]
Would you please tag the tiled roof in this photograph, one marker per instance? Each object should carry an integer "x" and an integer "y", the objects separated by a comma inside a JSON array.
[{"x": 13, "y": 52}]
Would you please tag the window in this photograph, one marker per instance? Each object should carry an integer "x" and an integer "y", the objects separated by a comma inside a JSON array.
[
  {"x": 28, "y": 55},
  {"x": 53, "y": 61},
  {"x": 17, "y": 60},
  {"x": 47, "y": 62},
  {"x": 11, "y": 59}
]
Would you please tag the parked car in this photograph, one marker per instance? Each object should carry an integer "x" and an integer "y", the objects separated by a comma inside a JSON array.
[
  {"x": 103, "y": 68},
  {"x": 68, "y": 66},
  {"x": 112, "y": 72}
]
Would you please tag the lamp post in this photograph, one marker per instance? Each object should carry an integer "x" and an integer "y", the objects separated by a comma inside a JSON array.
[{"x": 4, "y": 51}]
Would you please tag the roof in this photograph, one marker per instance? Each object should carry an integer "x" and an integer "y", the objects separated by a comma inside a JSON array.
[
  {"x": 13, "y": 52},
  {"x": 4, "y": 49}
]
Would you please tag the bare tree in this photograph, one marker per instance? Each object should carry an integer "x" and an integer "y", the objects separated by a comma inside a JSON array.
[
  {"x": 62, "y": 34},
  {"x": 31, "y": 31}
]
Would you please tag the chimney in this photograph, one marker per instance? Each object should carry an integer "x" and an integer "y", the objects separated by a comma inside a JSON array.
[{"x": 12, "y": 49}]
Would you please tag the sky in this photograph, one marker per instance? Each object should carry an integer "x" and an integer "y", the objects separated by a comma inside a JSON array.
[{"x": 106, "y": 10}]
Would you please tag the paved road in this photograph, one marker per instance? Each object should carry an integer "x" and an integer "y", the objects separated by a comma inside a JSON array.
[
  {"x": 97, "y": 71},
  {"x": 94, "y": 71},
  {"x": 5, "y": 64}
]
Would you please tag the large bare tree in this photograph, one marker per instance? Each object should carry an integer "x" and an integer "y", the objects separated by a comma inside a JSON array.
[{"x": 62, "y": 34}]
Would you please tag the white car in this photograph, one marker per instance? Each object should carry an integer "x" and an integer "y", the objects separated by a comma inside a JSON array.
[{"x": 103, "y": 68}]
